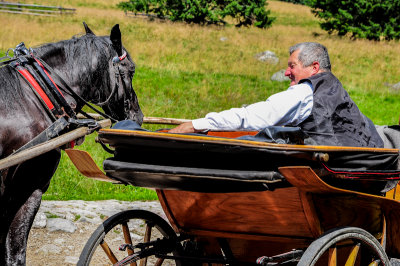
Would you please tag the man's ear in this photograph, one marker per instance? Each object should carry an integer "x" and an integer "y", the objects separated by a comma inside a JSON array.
[{"x": 315, "y": 67}]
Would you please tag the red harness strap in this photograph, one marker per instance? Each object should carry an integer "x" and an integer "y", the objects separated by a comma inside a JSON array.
[
  {"x": 25, "y": 73},
  {"x": 40, "y": 64}
]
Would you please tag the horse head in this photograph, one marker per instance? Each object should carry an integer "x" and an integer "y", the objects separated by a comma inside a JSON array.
[{"x": 99, "y": 69}]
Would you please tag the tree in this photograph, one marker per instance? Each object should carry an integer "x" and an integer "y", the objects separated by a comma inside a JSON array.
[
  {"x": 370, "y": 19},
  {"x": 245, "y": 12}
]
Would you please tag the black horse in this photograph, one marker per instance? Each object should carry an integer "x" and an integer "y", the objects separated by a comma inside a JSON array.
[{"x": 87, "y": 64}]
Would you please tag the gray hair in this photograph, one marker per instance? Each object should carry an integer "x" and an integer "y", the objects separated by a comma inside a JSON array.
[{"x": 311, "y": 52}]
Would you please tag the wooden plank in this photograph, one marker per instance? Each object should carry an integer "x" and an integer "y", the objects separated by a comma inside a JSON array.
[
  {"x": 34, "y": 5},
  {"x": 27, "y": 13},
  {"x": 165, "y": 121},
  {"x": 42, "y": 148},
  {"x": 34, "y": 10},
  {"x": 86, "y": 165},
  {"x": 147, "y": 119}
]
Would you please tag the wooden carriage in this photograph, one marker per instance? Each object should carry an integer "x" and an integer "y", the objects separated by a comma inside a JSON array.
[{"x": 234, "y": 201}]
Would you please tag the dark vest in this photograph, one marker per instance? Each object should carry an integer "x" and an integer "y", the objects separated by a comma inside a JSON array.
[{"x": 335, "y": 119}]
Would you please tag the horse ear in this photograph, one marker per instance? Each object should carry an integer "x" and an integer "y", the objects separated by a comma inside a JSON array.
[
  {"x": 115, "y": 38},
  {"x": 88, "y": 31}
]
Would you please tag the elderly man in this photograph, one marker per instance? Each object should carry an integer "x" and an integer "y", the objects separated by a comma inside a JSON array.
[{"x": 315, "y": 101}]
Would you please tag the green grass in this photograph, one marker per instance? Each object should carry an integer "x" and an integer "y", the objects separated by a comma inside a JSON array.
[{"x": 382, "y": 107}]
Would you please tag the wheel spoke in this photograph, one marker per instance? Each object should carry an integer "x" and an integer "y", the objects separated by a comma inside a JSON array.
[
  {"x": 333, "y": 256},
  {"x": 128, "y": 239},
  {"x": 147, "y": 236},
  {"x": 159, "y": 262},
  {"x": 351, "y": 260},
  {"x": 108, "y": 252}
]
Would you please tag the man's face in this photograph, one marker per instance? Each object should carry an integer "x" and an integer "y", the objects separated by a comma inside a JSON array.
[{"x": 295, "y": 70}]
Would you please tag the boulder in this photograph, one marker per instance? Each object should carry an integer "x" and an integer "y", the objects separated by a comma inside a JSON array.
[
  {"x": 280, "y": 76},
  {"x": 59, "y": 224},
  {"x": 40, "y": 220},
  {"x": 267, "y": 57}
]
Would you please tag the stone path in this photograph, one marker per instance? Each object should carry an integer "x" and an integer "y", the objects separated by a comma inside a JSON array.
[{"x": 62, "y": 228}]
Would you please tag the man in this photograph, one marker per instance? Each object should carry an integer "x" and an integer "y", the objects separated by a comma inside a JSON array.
[{"x": 315, "y": 101}]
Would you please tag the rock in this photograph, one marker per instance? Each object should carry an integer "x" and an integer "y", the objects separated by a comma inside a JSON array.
[
  {"x": 40, "y": 220},
  {"x": 70, "y": 216},
  {"x": 59, "y": 241},
  {"x": 59, "y": 224},
  {"x": 50, "y": 248},
  {"x": 71, "y": 259},
  {"x": 396, "y": 86},
  {"x": 268, "y": 57},
  {"x": 280, "y": 76},
  {"x": 93, "y": 220}
]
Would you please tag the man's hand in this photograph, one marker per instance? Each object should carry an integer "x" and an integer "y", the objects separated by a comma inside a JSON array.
[{"x": 183, "y": 128}]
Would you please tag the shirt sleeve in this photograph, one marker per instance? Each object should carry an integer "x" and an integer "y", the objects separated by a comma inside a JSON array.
[{"x": 290, "y": 107}]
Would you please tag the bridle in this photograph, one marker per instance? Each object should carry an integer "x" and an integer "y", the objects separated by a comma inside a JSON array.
[{"x": 119, "y": 78}]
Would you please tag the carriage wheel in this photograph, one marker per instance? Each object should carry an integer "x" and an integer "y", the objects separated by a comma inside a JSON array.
[
  {"x": 127, "y": 227},
  {"x": 345, "y": 246}
]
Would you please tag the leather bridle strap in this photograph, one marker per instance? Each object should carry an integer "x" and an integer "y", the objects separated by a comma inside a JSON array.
[{"x": 67, "y": 89}]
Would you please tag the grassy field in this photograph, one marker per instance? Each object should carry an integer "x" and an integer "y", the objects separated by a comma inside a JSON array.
[{"x": 185, "y": 71}]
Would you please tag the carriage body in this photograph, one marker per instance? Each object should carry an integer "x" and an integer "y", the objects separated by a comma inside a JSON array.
[{"x": 245, "y": 199}]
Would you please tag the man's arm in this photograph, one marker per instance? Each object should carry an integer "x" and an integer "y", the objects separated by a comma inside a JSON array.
[
  {"x": 186, "y": 127},
  {"x": 289, "y": 107}
]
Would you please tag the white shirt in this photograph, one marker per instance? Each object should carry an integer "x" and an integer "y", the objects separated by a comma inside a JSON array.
[{"x": 290, "y": 107}]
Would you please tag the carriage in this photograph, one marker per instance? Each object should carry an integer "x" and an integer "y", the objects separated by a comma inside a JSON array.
[
  {"x": 227, "y": 200},
  {"x": 230, "y": 198}
]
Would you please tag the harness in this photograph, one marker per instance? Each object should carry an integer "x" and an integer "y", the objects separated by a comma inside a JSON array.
[
  {"x": 49, "y": 87},
  {"x": 42, "y": 84}
]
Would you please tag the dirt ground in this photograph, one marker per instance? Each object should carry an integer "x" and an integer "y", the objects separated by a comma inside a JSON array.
[
  {"x": 49, "y": 247},
  {"x": 57, "y": 248}
]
